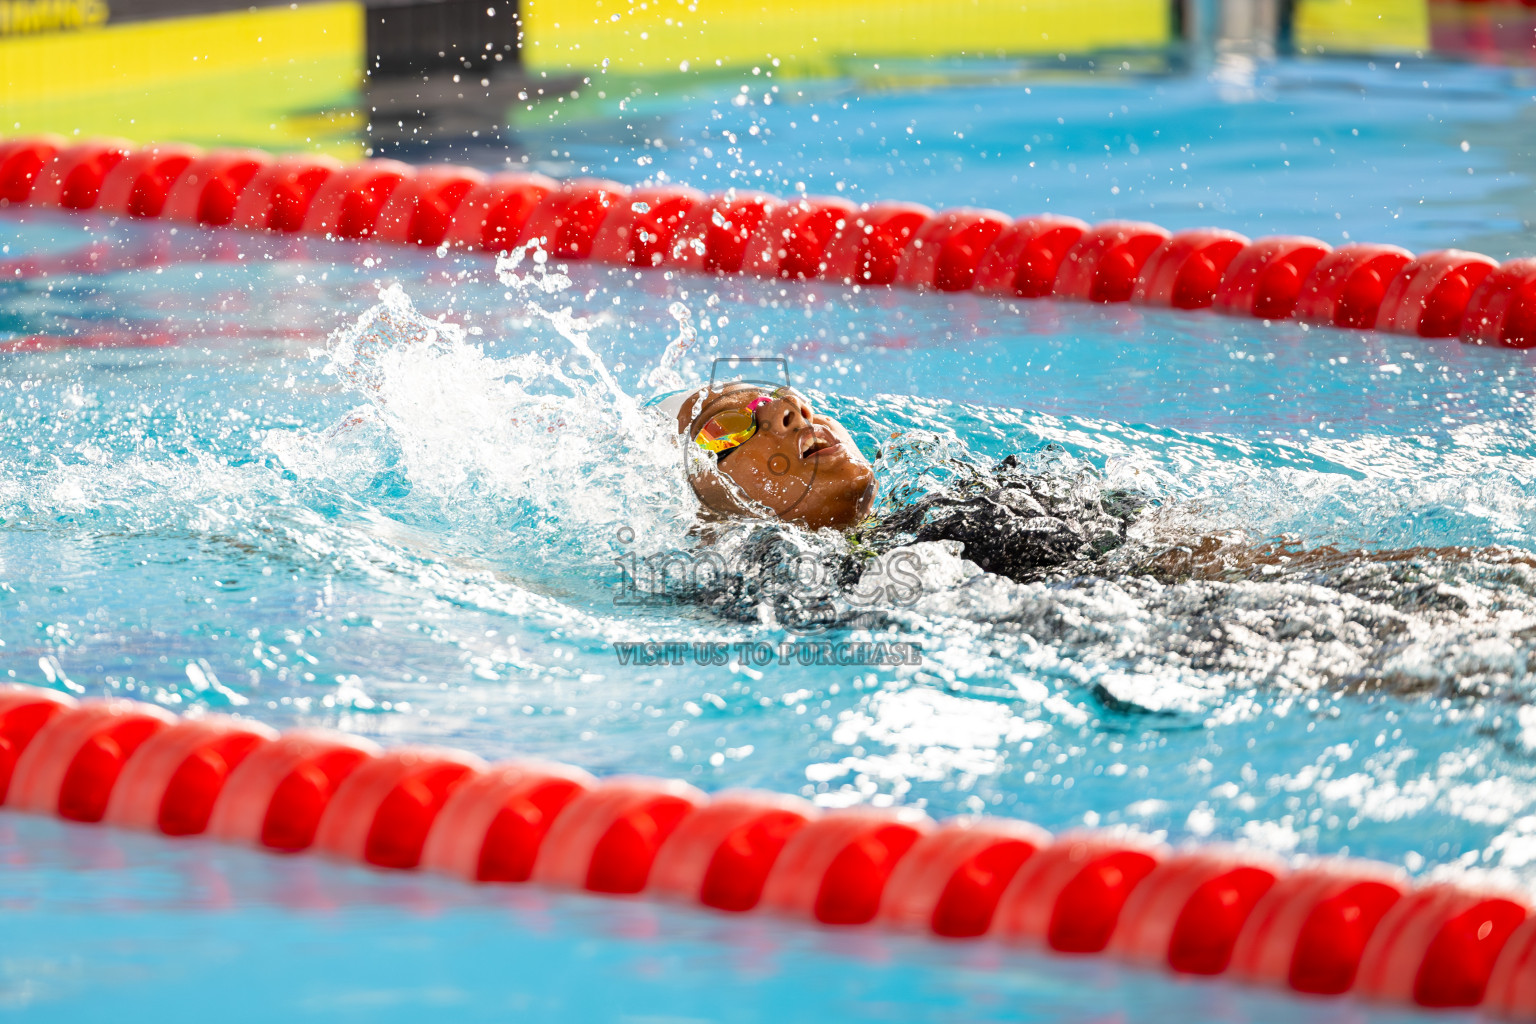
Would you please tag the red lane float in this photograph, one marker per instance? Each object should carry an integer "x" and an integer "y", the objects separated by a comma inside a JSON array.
[
  {"x": 382, "y": 811},
  {"x": 1188, "y": 912},
  {"x": 1266, "y": 278},
  {"x": 1511, "y": 991},
  {"x": 21, "y": 160},
  {"x": 951, "y": 880},
  {"x": 73, "y": 762},
  {"x": 1310, "y": 930},
  {"x": 868, "y": 251},
  {"x": 639, "y": 231},
  {"x": 1025, "y": 259},
  {"x": 138, "y": 186},
  {"x": 1186, "y": 271},
  {"x": 714, "y": 235},
  {"x": 567, "y": 219},
  {"x": 420, "y": 209},
  {"x": 491, "y": 827},
  {"x": 948, "y": 249},
  {"x": 349, "y": 201},
  {"x": 23, "y": 712},
  {"x": 172, "y": 781},
  {"x": 1106, "y": 262},
  {"x": 720, "y": 855},
  {"x": 1346, "y": 287},
  {"x": 492, "y": 215},
  {"x": 793, "y": 239},
  {"x": 607, "y": 838},
  {"x": 1437, "y": 947},
  {"x": 72, "y": 179},
  {"x": 207, "y": 191},
  {"x": 1331, "y": 927},
  {"x": 1068, "y": 897},
  {"x": 1439, "y": 294},
  {"x": 1502, "y": 311},
  {"x": 277, "y": 197},
  {"x": 277, "y": 795},
  {"x": 1429, "y": 296},
  {"x": 835, "y": 868}
]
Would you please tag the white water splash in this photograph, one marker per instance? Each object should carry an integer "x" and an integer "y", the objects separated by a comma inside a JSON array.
[
  {"x": 665, "y": 376},
  {"x": 550, "y": 447}
]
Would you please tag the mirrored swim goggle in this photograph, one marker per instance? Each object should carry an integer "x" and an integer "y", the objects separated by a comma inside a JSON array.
[{"x": 729, "y": 429}]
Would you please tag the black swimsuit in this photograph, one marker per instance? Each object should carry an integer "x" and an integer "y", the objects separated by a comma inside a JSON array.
[{"x": 1016, "y": 524}]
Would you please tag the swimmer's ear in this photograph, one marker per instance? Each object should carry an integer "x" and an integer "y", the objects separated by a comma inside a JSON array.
[
  {"x": 867, "y": 501},
  {"x": 690, "y": 410},
  {"x": 715, "y": 491}
]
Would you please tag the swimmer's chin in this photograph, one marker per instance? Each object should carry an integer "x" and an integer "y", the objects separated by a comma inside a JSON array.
[{"x": 839, "y": 515}]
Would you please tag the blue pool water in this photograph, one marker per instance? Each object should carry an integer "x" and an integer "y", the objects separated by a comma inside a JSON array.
[{"x": 220, "y": 489}]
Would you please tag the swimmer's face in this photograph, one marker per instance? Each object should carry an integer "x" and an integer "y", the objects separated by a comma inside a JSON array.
[{"x": 801, "y": 465}]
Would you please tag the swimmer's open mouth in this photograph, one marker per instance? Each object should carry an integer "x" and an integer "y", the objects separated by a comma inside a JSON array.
[{"x": 815, "y": 445}]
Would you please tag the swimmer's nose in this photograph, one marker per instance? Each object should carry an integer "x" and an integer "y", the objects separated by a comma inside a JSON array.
[{"x": 790, "y": 413}]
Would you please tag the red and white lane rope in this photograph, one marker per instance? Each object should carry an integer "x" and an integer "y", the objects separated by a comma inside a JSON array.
[
  {"x": 1329, "y": 927},
  {"x": 1442, "y": 294}
]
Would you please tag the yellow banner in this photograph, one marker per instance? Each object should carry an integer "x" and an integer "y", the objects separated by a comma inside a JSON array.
[
  {"x": 814, "y": 35},
  {"x": 1361, "y": 26},
  {"x": 281, "y": 77}
]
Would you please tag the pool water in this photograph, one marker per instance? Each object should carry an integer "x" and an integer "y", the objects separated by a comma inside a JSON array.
[{"x": 258, "y": 475}]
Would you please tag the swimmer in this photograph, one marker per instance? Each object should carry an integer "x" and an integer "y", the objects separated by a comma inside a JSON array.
[{"x": 765, "y": 452}]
